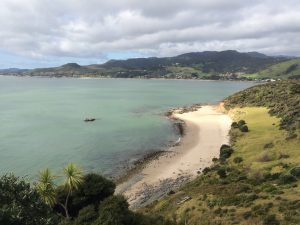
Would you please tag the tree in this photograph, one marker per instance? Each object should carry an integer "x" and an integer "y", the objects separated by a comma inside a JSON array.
[
  {"x": 46, "y": 187},
  {"x": 74, "y": 177},
  {"x": 48, "y": 192},
  {"x": 114, "y": 211},
  {"x": 94, "y": 189},
  {"x": 20, "y": 204}
]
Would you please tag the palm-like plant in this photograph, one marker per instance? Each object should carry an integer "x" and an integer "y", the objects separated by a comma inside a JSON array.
[
  {"x": 46, "y": 187},
  {"x": 74, "y": 177}
]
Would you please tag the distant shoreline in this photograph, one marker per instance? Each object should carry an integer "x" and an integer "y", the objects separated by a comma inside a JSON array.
[
  {"x": 206, "y": 130},
  {"x": 129, "y": 78}
]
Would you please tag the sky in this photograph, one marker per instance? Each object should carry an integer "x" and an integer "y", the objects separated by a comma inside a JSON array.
[{"x": 46, "y": 33}]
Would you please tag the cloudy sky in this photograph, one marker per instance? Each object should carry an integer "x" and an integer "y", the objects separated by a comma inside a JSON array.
[{"x": 42, "y": 33}]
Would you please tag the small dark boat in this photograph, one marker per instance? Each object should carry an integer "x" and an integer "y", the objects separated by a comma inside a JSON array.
[{"x": 89, "y": 119}]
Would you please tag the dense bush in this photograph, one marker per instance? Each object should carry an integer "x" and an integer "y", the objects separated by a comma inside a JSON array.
[
  {"x": 206, "y": 170},
  {"x": 270, "y": 220},
  {"x": 222, "y": 172},
  {"x": 247, "y": 215},
  {"x": 244, "y": 128},
  {"x": 286, "y": 178},
  {"x": 114, "y": 211},
  {"x": 94, "y": 189},
  {"x": 94, "y": 204},
  {"x": 241, "y": 123},
  {"x": 225, "y": 152},
  {"x": 234, "y": 125},
  {"x": 296, "y": 172},
  {"x": 20, "y": 204},
  {"x": 86, "y": 215},
  {"x": 238, "y": 159}
]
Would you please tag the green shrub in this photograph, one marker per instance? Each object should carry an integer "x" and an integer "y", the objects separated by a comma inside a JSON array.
[
  {"x": 215, "y": 159},
  {"x": 20, "y": 204},
  {"x": 234, "y": 125},
  {"x": 269, "y": 145},
  {"x": 114, "y": 211},
  {"x": 225, "y": 152},
  {"x": 238, "y": 159},
  {"x": 244, "y": 128},
  {"x": 247, "y": 215},
  {"x": 222, "y": 173},
  {"x": 206, "y": 170},
  {"x": 270, "y": 220},
  {"x": 287, "y": 179},
  {"x": 224, "y": 146},
  {"x": 269, "y": 188},
  {"x": 241, "y": 123},
  {"x": 296, "y": 172},
  {"x": 86, "y": 216},
  {"x": 261, "y": 209},
  {"x": 171, "y": 192}
]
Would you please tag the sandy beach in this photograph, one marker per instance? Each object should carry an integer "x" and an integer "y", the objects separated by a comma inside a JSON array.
[{"x": 206, "y": 129}]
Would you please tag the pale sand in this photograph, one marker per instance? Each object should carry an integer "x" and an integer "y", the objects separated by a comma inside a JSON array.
[{"x": 206, "y": 130}]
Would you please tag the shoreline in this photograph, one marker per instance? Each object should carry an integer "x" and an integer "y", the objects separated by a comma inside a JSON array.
[
  {"x": 205, "y": 129},
  {"x": 179, "y": 127},
  {"x": 130, "y": 78}
]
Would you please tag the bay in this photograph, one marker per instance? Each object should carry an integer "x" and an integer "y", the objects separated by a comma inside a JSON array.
[{"x": 41, "y": 120}]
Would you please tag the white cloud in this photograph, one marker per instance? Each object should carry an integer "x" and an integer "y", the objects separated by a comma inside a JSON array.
[{"x": 93, "y": 28}]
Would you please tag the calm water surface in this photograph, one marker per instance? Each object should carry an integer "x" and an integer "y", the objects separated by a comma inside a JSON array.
[{"x": 41, "y": 119}]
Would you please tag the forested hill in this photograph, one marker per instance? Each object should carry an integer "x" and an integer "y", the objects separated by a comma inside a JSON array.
[
  {"x": 208, "y": 61},
  {"x": 197, "y": 65}
]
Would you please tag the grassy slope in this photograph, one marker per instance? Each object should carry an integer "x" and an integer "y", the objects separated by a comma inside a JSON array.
[
  {"x": 264, "y": 129},
  {"x": 254, "y": 191},
  {"x": 282, "y": 98},
  {"x": 280, "y": 70}
]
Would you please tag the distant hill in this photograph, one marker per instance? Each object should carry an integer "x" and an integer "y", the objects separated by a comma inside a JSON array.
[
  {"x": 199, "y": 65},
  {"x": 12, "y": 70},
  {"x": 208, "y": 61}
]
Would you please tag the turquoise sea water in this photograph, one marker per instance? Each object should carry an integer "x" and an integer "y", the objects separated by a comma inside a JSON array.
[{"x": 41, "y": 119}]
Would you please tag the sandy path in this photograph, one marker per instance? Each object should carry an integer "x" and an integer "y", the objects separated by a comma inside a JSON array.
[{"x": 206, "y": 130}]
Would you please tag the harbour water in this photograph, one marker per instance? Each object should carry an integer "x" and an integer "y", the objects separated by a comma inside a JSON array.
[{"x": 42, "y": 119}]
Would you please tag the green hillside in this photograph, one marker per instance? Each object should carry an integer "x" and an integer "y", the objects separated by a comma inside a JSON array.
[
  {"x": 256, "y": 180},
  {"x": 284, "y": 70}
]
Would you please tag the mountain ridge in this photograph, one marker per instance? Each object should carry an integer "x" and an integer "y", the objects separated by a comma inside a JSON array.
[{"x": 229, "y": 64}]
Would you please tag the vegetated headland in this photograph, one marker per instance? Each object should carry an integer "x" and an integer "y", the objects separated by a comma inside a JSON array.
[
  {"x": 208, "y": 65},
  {"x": 255, "y": 179}
]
